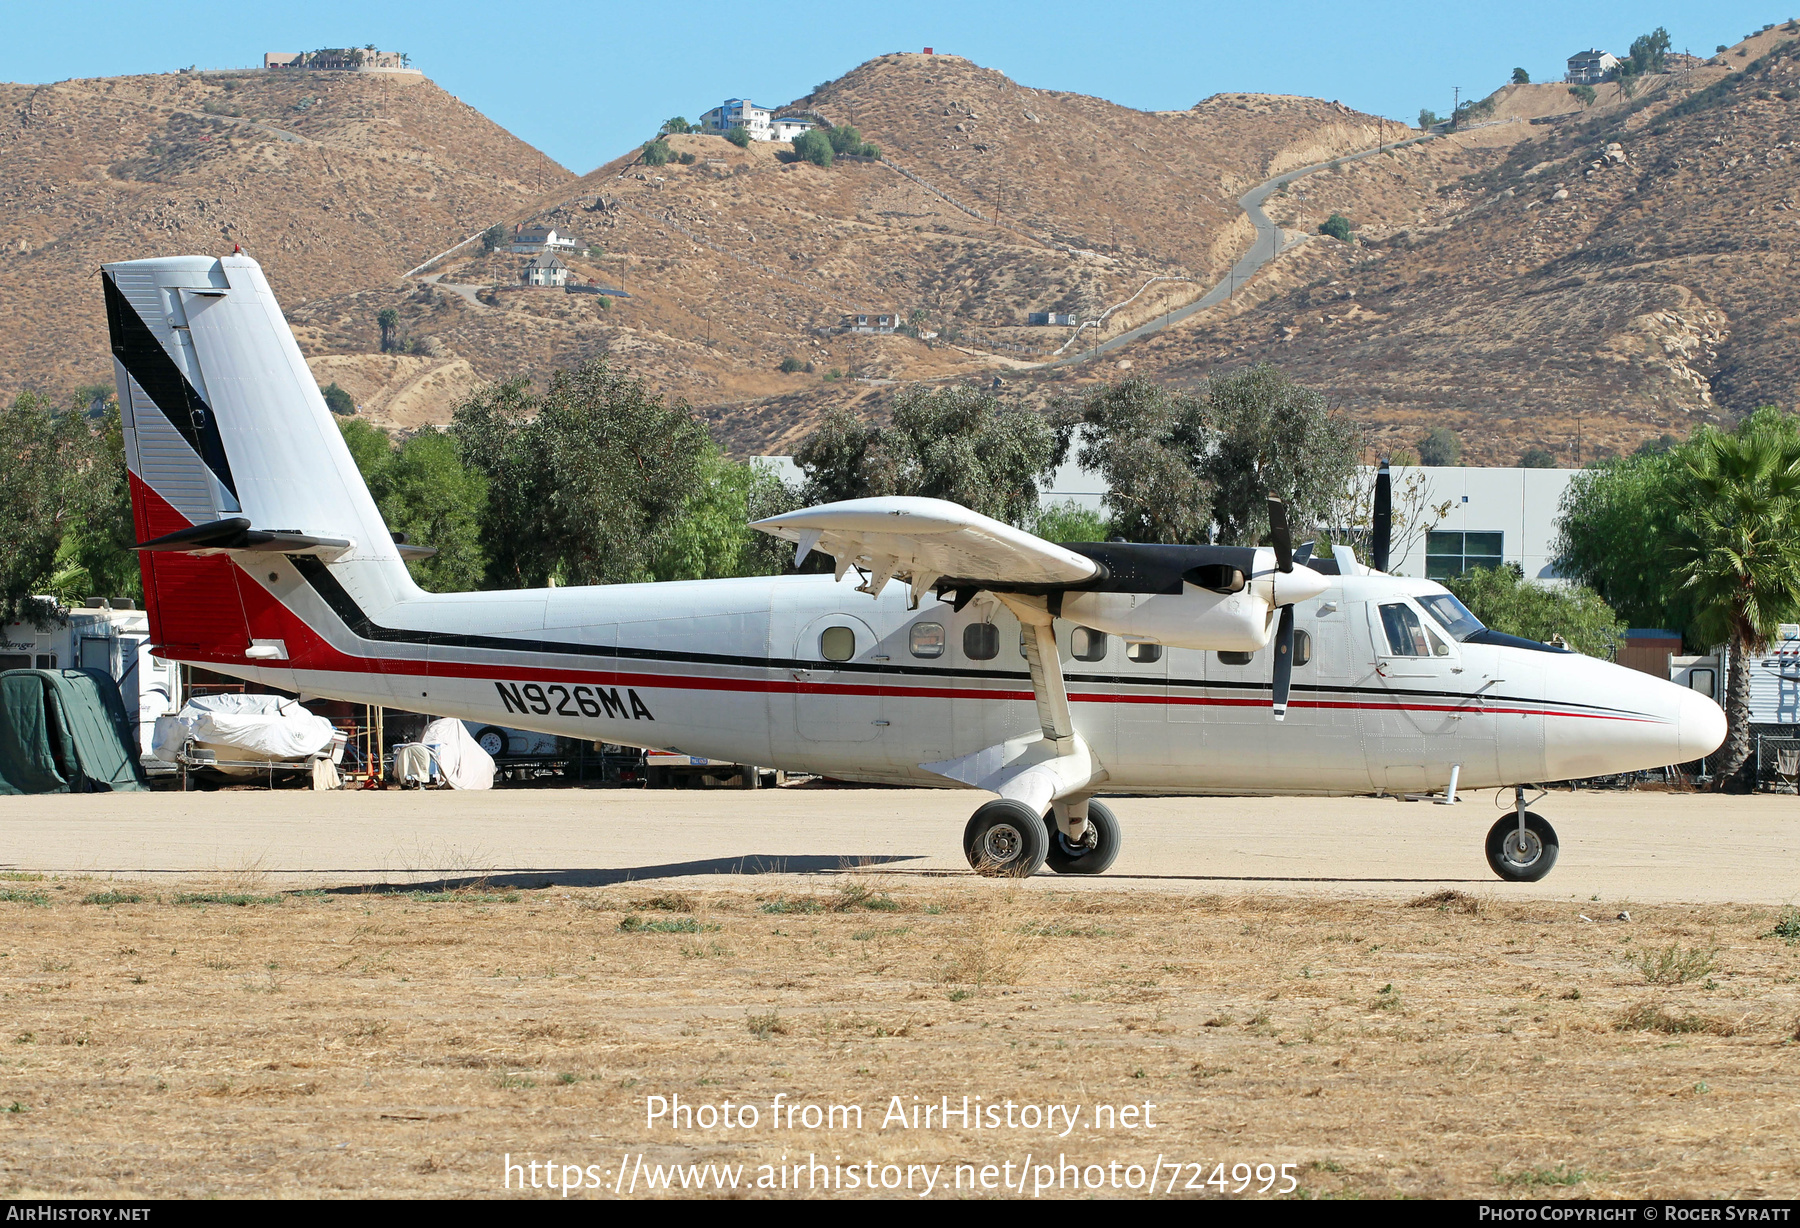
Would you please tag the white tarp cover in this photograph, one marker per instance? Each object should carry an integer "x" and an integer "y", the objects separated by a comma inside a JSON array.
[
  {"x": 463, "y": 763},
  {"x": 243, "y": 728}
]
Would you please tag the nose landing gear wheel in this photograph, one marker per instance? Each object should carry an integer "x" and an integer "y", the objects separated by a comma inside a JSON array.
[
  {"x": 1521, "y": 861},
  {"x": 1006, "y": 839},
  {"x": 1096, "y": 852}
]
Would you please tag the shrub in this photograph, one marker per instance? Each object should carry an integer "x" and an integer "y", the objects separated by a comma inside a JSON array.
[
  {"x": 1440, "y": 447},
  {"x": 677, "y": 126},
  {"x": 1584, "y": 94},
  {"x": 1672, "y": 965},
  {"x": 814, "y": 147},
  {"x": 790, "y": 364},
  {"x": 493, "y": 237},
  {"x": 739, "y": 136},
  {"x": 1338, "y": 227},
  {"x": 337, "y": 400},
  {"x": 1537, "y": 458},
  {"x": 687, "y": 159},
  {"x": 657, "y": 152},
  {"x": 1428, "y": 118}
]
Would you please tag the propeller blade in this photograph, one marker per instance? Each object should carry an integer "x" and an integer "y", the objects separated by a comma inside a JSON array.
[
  {"x": 1278, "y": 536},
  {"x": 1383, "y": 533},
  {"x": 1284, "y": 661}
]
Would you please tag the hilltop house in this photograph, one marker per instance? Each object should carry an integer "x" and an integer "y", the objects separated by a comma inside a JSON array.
[
  {"x": 869, "y": 322},
  {"x": 340, "y": 59},
  {"x": 737, "y": 113},
  {"x": 540, "y": 239},
  {"x": 1055, "y": 318},
  {"x": 1590, "y": 67},
  {"x": 544, "y": 269},
  {"x": 787, "y": 127}
]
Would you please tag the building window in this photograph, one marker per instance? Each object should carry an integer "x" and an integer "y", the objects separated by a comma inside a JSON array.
[
  {"x": 981, "y": 641},
  {"x": 926, "y": 639},
  {"x": 1235, "y": 658},
  {"x": 1143, "y": 654},
  {"x": 837, "y": 643},
  {"x": 1454, "y": 553},
  {"x": 1087, "y": 644},
  {"x": 1302, "y": 647}
]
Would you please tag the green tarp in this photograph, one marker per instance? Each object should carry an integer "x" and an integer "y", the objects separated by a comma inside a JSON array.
[{"x": 65, "y": 731}]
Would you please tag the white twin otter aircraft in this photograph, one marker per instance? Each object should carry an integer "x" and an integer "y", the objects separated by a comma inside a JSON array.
[{"x": 962, "y": 652}]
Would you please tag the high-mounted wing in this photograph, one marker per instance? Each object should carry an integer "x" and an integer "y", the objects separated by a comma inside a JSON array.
[{"x": 923, "y": 540}]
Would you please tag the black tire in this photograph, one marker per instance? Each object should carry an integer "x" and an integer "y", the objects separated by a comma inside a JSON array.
[
  {"x": 1005, "y": 839},
  {"x": 1096, "y": 855},
  {"x": 1516, "y": 865},
  {"x": 489, "y": 733}
]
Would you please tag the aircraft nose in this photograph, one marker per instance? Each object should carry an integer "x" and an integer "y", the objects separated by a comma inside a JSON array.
[{"x": 1702, "y": 725}]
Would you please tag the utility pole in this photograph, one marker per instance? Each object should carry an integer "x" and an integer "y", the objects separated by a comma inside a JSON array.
[{"x": 1455, "y": 106}]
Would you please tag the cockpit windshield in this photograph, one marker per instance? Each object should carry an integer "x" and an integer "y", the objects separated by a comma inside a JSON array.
[{"x": 1452, "y": 614}]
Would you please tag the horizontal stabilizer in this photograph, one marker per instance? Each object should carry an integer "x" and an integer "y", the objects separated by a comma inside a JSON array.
[
  {"x": 235, "y": 534},
  {"x": 922, "y": 540}
]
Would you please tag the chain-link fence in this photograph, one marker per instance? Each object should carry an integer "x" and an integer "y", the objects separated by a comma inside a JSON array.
[{"x": 1777, "y": 763}]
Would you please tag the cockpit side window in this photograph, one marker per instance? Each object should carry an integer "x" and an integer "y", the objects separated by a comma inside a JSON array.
[{"x": 1407, "y": 636}]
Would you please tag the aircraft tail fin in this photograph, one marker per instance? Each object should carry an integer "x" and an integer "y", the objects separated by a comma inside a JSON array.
[{"x": 234, "y": 459}]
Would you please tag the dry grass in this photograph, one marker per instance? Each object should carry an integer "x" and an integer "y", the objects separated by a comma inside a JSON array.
[{"x": 402, "y": 1043}]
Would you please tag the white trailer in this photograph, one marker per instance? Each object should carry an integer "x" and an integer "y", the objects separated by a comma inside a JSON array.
[{"x": 112, "y": 637}]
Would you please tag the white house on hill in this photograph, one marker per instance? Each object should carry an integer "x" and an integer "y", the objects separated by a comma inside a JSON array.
[
  {"x": 540, "y": 239},
  {"x": 787, "y": 127},
  {"x": 544, "y": 269},
  {"x": 738, "y": 113},
  {"x": 1590, "y": 67}
]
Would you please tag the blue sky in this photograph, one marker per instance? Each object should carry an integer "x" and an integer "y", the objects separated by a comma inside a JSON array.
[{"x": 583, "y": 82}]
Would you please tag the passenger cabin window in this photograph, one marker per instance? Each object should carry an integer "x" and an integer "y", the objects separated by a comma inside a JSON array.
[
  {"x": 1143, "y": 654},
  {"x": 981, "y": 641},
  {"x": 837, "y": 643},
  {"x": 1302, "y": 647},
  {"x": 1087, "y": 644},
  {"x": 1235, "y": 658},
  {"x": 1407, "y": 636},
  {"x": 926, "y": 639}
]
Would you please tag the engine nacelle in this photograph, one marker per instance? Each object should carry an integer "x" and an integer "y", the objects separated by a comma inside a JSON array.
[
  {"x": 1194, "y": 618},
  {"x": 1240, "y": 621}
]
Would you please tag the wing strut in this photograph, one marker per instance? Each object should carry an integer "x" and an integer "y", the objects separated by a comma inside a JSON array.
[{"x": 1047, "y": 685}]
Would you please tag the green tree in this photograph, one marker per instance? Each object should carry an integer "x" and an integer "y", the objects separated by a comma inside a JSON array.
[
  {"x": 434, "y": 500},
  {"x": 677, "y": 126},
  {"x": 1273, "y": 437},
  {"x": 845, "y": 139},
  {"x": 1338, "y": 227},
  {"x": 1521, "y": 77},
  {"x": 99, "y": 544},
  {"x": 388, "y": 320},
  {"x": 739, "y": 136},
  {"x": 1148, "y": 443},
  {"x": 712, "y": 538},
  {"x": 1616, "y": 534},
  {"x": 1068, "y": 521},
  {"x": 1740, "y": 558},
  {"x": 1537, "y": 458},
  {"x": 493, "y": 238},
  {"x": 1440, "y": 447},
  {"x": 337, "y": 400},
  {"x": 1502, "y": 598},
  {"x": 814, "y": 147},
  {"x": 1584, "y": 94},
  {"x": 957, "y": 443},
  {"x": 657, "y": 152},
  {"x": 1648, "y": 54},
  {"x": 790, "y": 365},
  {"x": 587, "y": 482},
  {"x": 1428, "y": 118},
  {"x": 46, "y": 488}
]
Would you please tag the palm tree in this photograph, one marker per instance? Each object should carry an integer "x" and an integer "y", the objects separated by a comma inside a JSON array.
[
  {"x": 1742, "y": 558},
  {"x": 389, "y": 321}
]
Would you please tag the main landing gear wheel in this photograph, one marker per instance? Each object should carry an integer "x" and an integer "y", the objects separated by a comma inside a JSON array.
[
  {"x": 492, "y": 739},
  {"x": 1521, "y": 857},
  {"x": 1006, "y": 839},
  {"x": 1097, "y": 850}
]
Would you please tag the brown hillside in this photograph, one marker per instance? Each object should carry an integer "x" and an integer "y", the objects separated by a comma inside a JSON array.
[
  {"x": 1578, "y": 285},
  {"x": 995, "y": 200},
  {"x": 335, "y": 181}
]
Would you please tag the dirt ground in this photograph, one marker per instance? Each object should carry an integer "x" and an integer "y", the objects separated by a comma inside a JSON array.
[{"x": 214, "y": 1031}]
